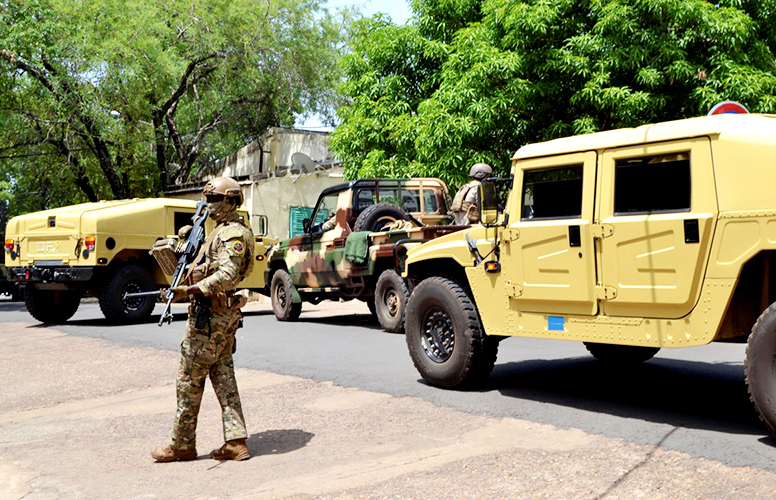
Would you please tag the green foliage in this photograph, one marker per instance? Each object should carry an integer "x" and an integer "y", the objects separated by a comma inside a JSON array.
[
  {"x": 106, "y": 99},
  {"x": 473, "y": 80}
]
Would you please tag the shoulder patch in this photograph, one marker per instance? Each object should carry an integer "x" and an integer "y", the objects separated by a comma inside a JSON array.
[{"x": 236, "y": 247}]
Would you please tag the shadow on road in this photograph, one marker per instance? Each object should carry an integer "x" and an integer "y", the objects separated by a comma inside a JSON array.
[
  {"x": 153, "y": 319},
  {"x": 362, "y": 320},
  {"x": 276, "y": 442},
  {"x": 248, "y": 314},
  {"x": 12, "y": 306},
  {"x": 690, "y": 394}
]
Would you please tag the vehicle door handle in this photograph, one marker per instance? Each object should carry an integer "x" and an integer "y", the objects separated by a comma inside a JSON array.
[
  {"x": 691, "y": 231},
  {"x": 575, "y": 240}
]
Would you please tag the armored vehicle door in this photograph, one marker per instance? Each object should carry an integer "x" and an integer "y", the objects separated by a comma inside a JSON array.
[
  {"x": 549, "y": 246},
  {"x": 657, "y": 207}
]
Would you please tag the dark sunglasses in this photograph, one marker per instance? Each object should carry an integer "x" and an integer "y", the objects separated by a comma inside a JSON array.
[{"x": 214, "y": 198}]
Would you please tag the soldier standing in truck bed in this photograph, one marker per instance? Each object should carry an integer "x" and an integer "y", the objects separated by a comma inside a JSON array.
[
  {"x": 464, "y": 206},
  {"x": 214, "y": 316}
]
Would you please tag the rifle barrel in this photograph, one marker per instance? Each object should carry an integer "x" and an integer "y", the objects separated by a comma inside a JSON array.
[{"x": 152, "y": 293}]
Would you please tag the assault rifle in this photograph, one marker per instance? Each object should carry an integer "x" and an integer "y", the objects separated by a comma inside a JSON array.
[{"x": 189, "y": 251}]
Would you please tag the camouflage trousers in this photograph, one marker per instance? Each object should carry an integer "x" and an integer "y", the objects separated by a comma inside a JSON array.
[{"x": 206, "y": 351}]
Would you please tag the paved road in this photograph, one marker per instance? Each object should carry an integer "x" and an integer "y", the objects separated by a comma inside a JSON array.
[{"x": 692, "y": 400}]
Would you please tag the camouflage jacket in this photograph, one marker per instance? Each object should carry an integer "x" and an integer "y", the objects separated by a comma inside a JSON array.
[
  {"x": 464, "y": 205},
  {"x": 228, "y": 256}
]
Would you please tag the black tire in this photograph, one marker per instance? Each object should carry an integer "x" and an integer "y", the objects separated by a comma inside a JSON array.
[
  {"x": 760, "y": 367},
  {"x": 370, "y": 303},
  {"x": 126, "y": 279},
  {"x": 391, "y": 296},
  {"x": 51, "y": 306},
  {"x": 443, "y": 334},
  {"x": 375, "y": 217},
  {"x": 613, "y": 354},
  {"x": 280, "y": 294}
]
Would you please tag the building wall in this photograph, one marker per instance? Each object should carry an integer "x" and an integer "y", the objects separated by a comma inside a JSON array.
[
  {"x": 271, "y": 184},
  {"x": 274, "y": 149},
  {"x": 275, "y": 196}
]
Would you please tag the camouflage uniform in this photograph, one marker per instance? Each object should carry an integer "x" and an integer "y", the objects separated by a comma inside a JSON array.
[
  {"x": 464, "y": 205},
  {"x": 209, "y": 342}
]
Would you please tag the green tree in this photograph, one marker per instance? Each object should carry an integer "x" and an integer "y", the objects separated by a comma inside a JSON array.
[
  {"x": 106, "y": 99},
  {"x": 473, "y": 80}
]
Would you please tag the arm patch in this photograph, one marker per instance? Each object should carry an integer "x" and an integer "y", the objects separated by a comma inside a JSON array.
[{"x": 235, "y": 247}]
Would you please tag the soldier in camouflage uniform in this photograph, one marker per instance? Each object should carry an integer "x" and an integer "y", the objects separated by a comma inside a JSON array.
[
  {"x": 214, "y": 316},
  {"x": 464, "y": 206}
]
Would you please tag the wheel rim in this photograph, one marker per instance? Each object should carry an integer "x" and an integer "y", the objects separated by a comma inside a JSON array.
[
  {"x": 280, "y": 295},
  {"x": 437, "y": 336},
  {"x": 382, "y": 222},
  {"x": 137, "y": 302},
  {"x": 391, "y": 302}
]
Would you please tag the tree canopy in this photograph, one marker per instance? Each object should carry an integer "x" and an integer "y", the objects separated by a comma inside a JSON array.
[
  {"x": 106, "y": 99},
  {"x": 473, "y": 80}
]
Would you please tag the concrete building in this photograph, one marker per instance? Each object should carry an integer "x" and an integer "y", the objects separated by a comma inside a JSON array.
[{"x": 282, "y": 173}]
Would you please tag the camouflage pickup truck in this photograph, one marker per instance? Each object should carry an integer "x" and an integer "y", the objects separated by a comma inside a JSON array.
[
  {"x": 101, "y": 249},
  {"x": 630, "y": 241},
  {"x": 348, "y": 251}
]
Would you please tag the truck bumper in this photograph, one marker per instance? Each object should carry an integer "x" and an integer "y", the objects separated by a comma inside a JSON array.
[{"x": 54, "y": 274}]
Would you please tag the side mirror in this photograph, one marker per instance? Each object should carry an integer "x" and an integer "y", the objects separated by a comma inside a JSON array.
[
  {"x": 491, "y": 200},
  {"x": 306, "y": 225},
  {"x": 259, "y": 225}
]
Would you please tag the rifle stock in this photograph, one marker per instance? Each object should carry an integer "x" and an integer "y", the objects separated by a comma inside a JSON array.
[{"x": 190, "y": 250}]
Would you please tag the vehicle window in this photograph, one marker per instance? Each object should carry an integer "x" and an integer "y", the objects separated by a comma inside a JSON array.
[
  {"x": 410, "y": 200},
  {"x": 181, "y": 219},
  {"x": 390, "y": 195},
  {"x": 430, "y": 202},
  {"x": 364, "y": 198},
  {"x": 659, "y": 183},
  {"x": 326, "y": 208},
  {"x": 552, "y": 193}
]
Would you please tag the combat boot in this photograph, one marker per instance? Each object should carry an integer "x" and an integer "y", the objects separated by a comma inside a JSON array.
[
  {"x": 167, "y": 453},
  {"x": 232, "y": 450}
]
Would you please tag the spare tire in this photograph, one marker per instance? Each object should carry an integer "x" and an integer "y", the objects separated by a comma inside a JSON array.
[{"x": 375, "y": 217}]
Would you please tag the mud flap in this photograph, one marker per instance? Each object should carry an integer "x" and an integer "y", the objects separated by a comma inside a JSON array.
[{"x": 295, "y": 297}]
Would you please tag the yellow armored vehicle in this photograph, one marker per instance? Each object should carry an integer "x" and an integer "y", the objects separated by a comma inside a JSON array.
[
  {"x": 630, "y": 241},
  {"x": 101, "y": 249}
]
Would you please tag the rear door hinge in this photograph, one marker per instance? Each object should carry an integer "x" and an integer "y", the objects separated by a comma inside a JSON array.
[
  {"x": 601, "y": 231},
  {"x": 605, "y": 292},
  {"x": 513, "y": 291}
]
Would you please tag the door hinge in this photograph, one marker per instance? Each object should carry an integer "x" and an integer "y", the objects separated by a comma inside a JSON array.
[
  {"x": 605, "y": 292},
  {"x": 513, "y": 291},
  {"x": 601, "y": 231},
  {"x": 511, "y": 234}
]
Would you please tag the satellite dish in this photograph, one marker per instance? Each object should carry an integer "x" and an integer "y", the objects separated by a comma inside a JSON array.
[{"x": 303, "y": 162}]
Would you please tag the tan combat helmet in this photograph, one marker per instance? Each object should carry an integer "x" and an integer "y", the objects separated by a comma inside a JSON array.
[
  {"x": 231, "y": 191},
  {"x": 480, "y": 171}
]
